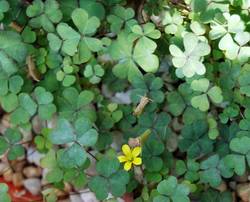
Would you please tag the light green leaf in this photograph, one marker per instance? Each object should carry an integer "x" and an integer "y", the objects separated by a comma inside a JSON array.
[
  {"x": 201, "y": 102},
  {"x": 63, "y": 133}
]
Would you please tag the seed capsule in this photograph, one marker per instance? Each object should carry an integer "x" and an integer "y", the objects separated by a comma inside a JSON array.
[{"x": 139, "y": 108}]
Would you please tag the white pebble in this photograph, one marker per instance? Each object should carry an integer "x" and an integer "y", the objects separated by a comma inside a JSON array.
[{"x": 33, "y": 185}]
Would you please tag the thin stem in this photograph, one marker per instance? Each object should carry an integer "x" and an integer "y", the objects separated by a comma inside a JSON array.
[{"x": 92, "y": 155}]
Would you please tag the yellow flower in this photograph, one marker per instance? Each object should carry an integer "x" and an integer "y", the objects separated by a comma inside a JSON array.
[{"x": 130, "y": 157}]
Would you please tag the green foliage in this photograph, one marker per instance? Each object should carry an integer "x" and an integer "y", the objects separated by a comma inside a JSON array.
[
  {"x": 42, "y": 141},
  {"x": 121, "y": 17},
  {"x": 4, "y": 7},
  {"x": 9, "y": 143},
  {"x": 73, "y": 105},
  {"x": 94, "y": 73},
  {"x": 172, "y": 22},
  {"x": 80, "y": 135},
  {"x": 131, "y": 56},
  {"x": 45, "y": 106},
  {"x": 195, "y": 139},
  {"x": 149, "y": 86},
  {"x": 3, "y": 193},
  {"x": 201, "y": 101},
  {"x": 74, "y": 75},
  {"x": 169, "y": 189},
  {"x": 110, "y": 179},
  {"x": 44, "y": 15},
  {"x": 189, "y": 62},
  {"x": 12, "y": 52}
]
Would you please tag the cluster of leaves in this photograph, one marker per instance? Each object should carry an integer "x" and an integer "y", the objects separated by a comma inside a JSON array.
[{"x": 82, "y": 68}]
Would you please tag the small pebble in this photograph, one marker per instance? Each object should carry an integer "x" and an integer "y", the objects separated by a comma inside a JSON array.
[
  {"x": 8, "y": 175},
  {"x": 75, "y": 198},
  {"x": 34, "y": 156},
  {"x": 3, "y": 167},
  {"x": 243, "y": 178},
  {"x": 222, "y": 187},
  {"x": 88, "y": 196},
  {"x": 243, "y": 191},
  {"x": 33, "y": 185},
  {"x": 18, "y": 165},
  {"x": 17, "y": 179},
  {"x": 32, "y": 171},
  {"x": 232, "y": 185}
]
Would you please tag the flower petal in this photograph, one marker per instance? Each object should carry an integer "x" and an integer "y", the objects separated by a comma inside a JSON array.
[
  {"x": 122, "y": 159},
  {"x": 137, "y": 161},
  {"x": 126, "y": 150},
  {"x": 127, "y": 165},
  {"x": 136, "y": 151}
]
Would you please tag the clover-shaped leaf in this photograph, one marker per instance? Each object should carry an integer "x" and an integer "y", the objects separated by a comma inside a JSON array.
[
  {"x": 4, "y": 193},
  {"x": 121, "y": 17},
  {"x": 110, "y": 115},
  {"x": 44, "y": 14},
  {"x": 128, "y": 57},
  {"x": 81, "y": 134},
  {"x": 176, "y": 104},
  {"x": 45, "y": 60},
  {"x": 213, "y": 168},
  {"x": 213, "y": 132},
  {"x": 210, "y": 173},
  {"x": 42, "y": 141},
  {"x": 71, "y": 41},
  {"x": 156, "y": 122},
  {"x": 169, "y": 189},
  {"x": 87, "y": 44},
  {"x": 10, "y": 143},
  {"x": 86, "y": 135},
  {"x": 93, "y": 7},
  {"x": 72, "y": 156},
  {"x": 94, "y": 73},
  {"x": 195, "y": 140},
  {"x": 149, "y": 86},
  {"x": 46, "y": 108},
  {"x": 198, "y": 28},
  {"x": 172, "y": 22},
  {"x": 11, "y": 84},
  {"x": 150, "y": 153},
  {"x": 24, "y": 110},
  {"x": 69, "y": 36},
  {"x": 28, "y": 35},
  {"x": 240, "y": 145},
  {"x": 243, "y": 80},
  {"x": 12, "y": 52},
  {"x": 236, "y": 49},
  {"x": 146, "y": 59},
  {"x": 73, "y": 104},
  {"x": 231, "y": 24},
  {"x": 201, "y": 101},
  {"x": 66, "y": 74},
  {"x": 110, "y": 179},
  {"x": 189, "y": 62},
  {"x": 216, "y": 196},
  {"x": 190, "y": 169},
  {"x": 233, "y": 163},
  {"x": 63, "y": 133},
  {"x": 147, "y": 31},
  {"x": 226, "y": 135},
  {"x": 50, "y": 161},
  {"x": 4, "y": 7}
]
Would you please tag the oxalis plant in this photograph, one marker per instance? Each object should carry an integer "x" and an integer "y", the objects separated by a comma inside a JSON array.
[{"x": 146, "y": 98}]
